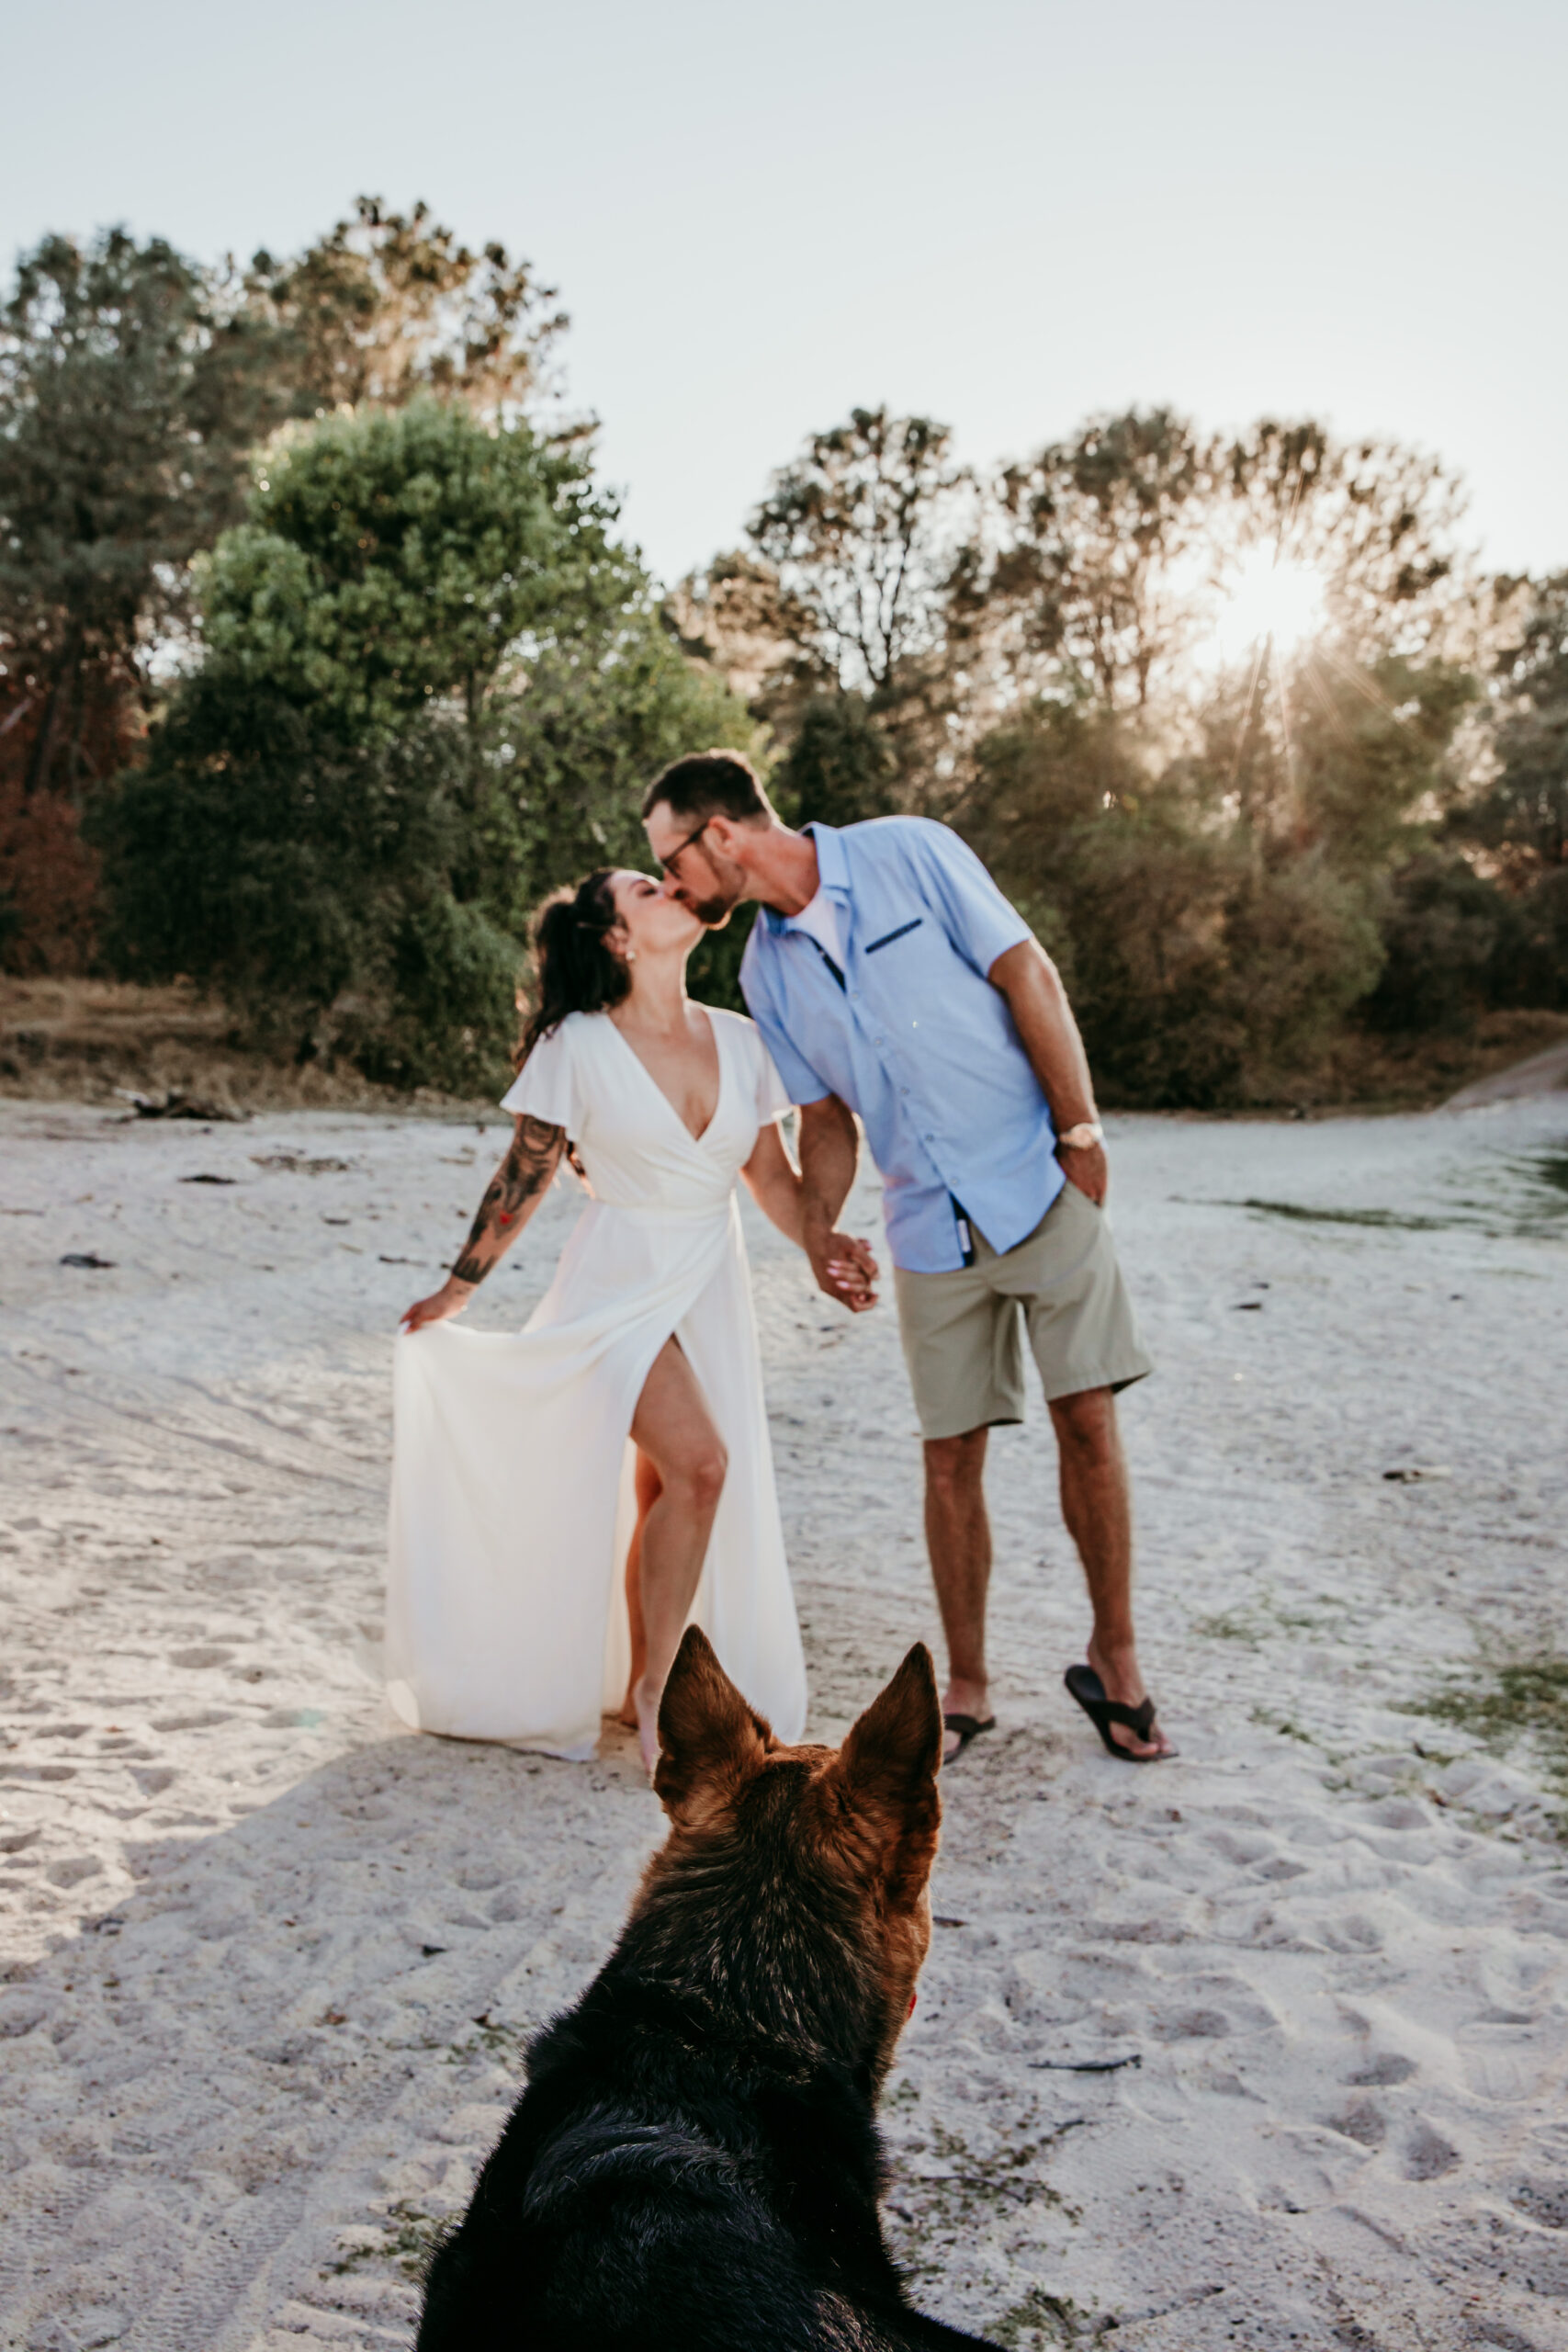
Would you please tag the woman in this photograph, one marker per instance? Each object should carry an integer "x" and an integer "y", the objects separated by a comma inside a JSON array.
[{"x": 515, "y": 1492}]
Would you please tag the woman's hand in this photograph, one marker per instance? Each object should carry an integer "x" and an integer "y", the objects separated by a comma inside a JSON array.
[{"x": 450, "y": 1299}]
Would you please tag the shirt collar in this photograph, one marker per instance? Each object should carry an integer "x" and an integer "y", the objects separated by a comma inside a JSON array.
[{"x": 832, "y": 869}]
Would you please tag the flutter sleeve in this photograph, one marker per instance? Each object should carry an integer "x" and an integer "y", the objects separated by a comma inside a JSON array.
[
  {"x": 773, "y": 1094},
  {"x": 545, "y": 1087}
]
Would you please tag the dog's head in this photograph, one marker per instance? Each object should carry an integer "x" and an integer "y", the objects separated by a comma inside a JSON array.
[{"x": 793, "y": 1883}]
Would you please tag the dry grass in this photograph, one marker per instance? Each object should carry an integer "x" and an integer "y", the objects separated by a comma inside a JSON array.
[
  {"x": 87, "y": 1041},
  {"x": 79, "y": 1040},
  {"x": 1415, "y": 1073}
]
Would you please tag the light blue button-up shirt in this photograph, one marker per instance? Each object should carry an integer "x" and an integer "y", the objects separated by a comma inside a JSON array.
[{"x": 912, "y": 1035}]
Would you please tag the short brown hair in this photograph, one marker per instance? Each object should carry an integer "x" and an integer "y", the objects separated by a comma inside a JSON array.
[{"x": 708, "y": 783}]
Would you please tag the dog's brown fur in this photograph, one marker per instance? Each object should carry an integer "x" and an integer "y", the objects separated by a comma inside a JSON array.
[{"x": 694, "y": 2165}]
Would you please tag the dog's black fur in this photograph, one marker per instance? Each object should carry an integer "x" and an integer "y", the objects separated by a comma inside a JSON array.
[{"x": 695, "y": 2166}]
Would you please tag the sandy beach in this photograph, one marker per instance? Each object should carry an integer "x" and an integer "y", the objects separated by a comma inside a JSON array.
[{"x": 1265, "y": 2047}]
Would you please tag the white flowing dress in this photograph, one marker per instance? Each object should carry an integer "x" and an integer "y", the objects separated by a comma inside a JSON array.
[{"x": 512, "y": 1475}]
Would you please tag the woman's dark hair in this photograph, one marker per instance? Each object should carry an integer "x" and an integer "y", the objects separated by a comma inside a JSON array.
[{"x": 575, "y": 969}]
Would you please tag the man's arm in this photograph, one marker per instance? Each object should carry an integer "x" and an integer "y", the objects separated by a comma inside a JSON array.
[
  {"x": 513, "y": 1195},
  {"x": 1049, "y": 1036},
  {"x": 830, "y": 1151}
]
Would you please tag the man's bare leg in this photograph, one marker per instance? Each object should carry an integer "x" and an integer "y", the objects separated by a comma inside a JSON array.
[
  {"x": 648, "y": 1494},
  {"x": 1098, "y": 1507},
  {"x": 674, "y": 1427},
  {"x": 958, "y": 1537}
]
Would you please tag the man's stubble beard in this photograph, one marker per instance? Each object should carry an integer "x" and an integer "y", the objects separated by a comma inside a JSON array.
[{"x": 715, "y": 909}]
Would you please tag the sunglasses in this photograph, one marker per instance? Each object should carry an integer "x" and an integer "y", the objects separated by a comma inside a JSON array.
[{"x": 668, "y": 864}]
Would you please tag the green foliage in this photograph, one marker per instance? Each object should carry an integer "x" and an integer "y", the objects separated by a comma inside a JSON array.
[
  {"x": 433, "y": 683},
  {"x": 389, "y": 305},
  {"x": 1367, "y": 751},
  {"x": 128, "y": 398},
  {"x": 854, "y": 530},
  {"x": 1442, "y": 926},
  {"x": 307, "y": 880},
  {"x": 1508, "y": 1700},
  {"x": 1522, "y": 815},
  {"x": 840, "y": 767},
  {"x": 583, "y": 728},
  {"x": 432, "y": 690},
  {"x": 1092, "y": 528},
  {"x": 1202, "y": 963},
  {"x": 390, "y": 560}
]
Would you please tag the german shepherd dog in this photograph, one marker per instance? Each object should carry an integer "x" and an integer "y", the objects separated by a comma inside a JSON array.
[{"x": 694, "y": 2165}]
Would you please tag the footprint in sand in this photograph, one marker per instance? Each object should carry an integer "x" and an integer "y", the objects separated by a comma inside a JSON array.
[
  {"x": 1427, "y": 2155},
  {"x": 1387, "y": 2067},
  {"x": 1545, "y": 2202},
  {"x": 1363, "y": 2122}
]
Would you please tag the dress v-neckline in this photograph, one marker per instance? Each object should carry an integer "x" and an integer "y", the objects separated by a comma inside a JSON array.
[{"x": 718, "y": 1097}]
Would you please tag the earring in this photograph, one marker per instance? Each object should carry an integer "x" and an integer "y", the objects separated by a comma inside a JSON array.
[{"x": 631, "y": 956}]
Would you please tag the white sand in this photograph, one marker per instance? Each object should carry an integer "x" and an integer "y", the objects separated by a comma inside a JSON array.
[{"x": 272, "y": 1960}]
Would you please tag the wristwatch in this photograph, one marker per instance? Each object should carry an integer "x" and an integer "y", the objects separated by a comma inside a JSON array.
[{"x": 1078, "y": 1138}]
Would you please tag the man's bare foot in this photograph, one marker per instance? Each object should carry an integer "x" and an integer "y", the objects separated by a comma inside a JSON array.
[
  {"x": 963, "y": 1698},
  {"x": 1123, "y": 1684}
]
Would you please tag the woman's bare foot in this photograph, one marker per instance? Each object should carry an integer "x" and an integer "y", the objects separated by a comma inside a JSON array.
[
  {"x": 645, "y": 1704},
  {"x": 628, "y": 1712}
]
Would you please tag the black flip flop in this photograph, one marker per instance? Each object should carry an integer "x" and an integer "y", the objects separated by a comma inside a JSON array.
[
  {"x": 1090, "y": 1691},
  {"x": 968, "y": 1728}
]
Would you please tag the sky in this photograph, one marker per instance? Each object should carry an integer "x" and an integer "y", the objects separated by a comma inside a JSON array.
[{"x": 1005, "y": 216}]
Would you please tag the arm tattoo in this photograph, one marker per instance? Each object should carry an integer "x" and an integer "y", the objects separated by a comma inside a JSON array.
[{"x": 531, "y": 1161}]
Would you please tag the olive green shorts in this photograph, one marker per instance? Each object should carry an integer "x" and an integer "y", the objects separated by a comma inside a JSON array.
[{"x": 961, "y": 1335}]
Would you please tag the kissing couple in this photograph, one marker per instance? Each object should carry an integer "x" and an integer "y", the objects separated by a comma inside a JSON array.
[{"x": 568, "y": 1498}]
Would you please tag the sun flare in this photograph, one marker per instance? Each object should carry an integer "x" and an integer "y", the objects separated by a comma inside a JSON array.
[{"x": 1270, "y": 599}]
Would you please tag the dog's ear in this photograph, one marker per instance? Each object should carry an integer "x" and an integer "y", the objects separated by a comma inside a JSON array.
[
  {"x": 887, "y": 1768},
  {"x": 709, "y": 1739}
]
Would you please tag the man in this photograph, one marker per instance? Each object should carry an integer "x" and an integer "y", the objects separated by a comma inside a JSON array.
[{"x": 891, "y": 978}]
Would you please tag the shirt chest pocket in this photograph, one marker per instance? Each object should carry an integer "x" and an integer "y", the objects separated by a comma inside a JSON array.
[{"x": 902, "y": 931}]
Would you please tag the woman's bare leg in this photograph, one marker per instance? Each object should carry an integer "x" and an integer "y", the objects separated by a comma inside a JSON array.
[
  {"x": 648, "y": 1492},
  {"x": 673, "y": 1428}
]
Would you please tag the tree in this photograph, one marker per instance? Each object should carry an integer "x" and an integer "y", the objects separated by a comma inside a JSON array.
[
  {"x": 127, "y": 402},
  {"x": 1372, "y": 521},
  {"x": 1199, "y": 974},
  {"x": 1083, "y": 588},
  {"x": 1522, "y": 815},
  {"x": 431, "y": 683},
  {"x": 860, "y": 532},
  {"x": 841, "y": 766},
  {"x": 390, "y": 305},
  {"x": 392, "y": 560},
  {"x": 306, "y": 878},
  {"x": 1112, "y": 560}
]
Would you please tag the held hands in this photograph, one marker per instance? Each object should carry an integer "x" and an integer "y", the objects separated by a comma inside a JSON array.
[
  {"x": 844, "y": 1269},
  {"x": 450, "y": 1299}
]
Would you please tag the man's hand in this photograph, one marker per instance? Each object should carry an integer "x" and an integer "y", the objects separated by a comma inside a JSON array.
[
  {"x": 1087, "y": 1168},
  {"x": 844, "y": 1269},
  {"x": 1049, "y": 1036}
]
